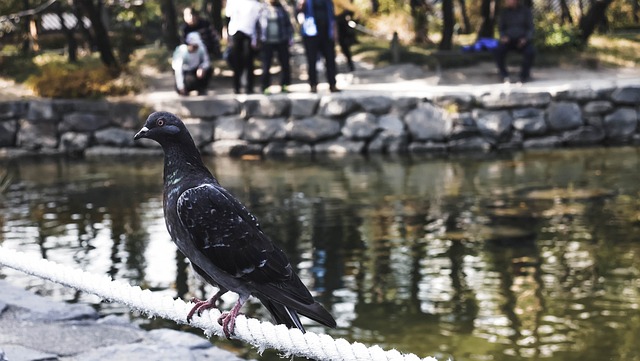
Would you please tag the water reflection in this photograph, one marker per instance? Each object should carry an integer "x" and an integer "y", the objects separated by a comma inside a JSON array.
[{"x": 530, "y": 255}]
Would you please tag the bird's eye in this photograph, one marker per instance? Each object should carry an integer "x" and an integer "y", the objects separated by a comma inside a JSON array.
[{"x": 160, "y": 122}]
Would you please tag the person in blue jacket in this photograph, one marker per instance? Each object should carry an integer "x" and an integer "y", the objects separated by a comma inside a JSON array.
[{"x": 318, "y": 36}]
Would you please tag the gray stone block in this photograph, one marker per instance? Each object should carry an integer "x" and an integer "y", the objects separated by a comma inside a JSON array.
[
  {"x": 42, "y": 110},
  {"x": 340, "y": 146},
  {"x": 598, "y": 107},
  {"x": 391, "y": 123},
  {"x": 516, "y": 99},
  {"x": 428, "y": 123},
  {"x": 287, "y": 148},
  {"x": 8, "y": 132},
  {"x": 476, "y": 143},
  {"x": 37, "y": 135},
  {"x": 334, "y": 107},
  {"x": 73, "y": 142},
  {"x": 535, "y": 125},
  {"x": 269, "y": 107},
  {"x": 114, "y": 136},
  {"x": 427, "y": 147},
  {"x": 495, "y": 125},
  {"x": 552, "y": 141},
  {"x": 304, "y": 107},
  {"x": 388, "y": 142},
  {"x": 375, "y": 104},
  {"x": 201, "y": 131},
  {"x": 621, "y": 124},
  {"x": 627, "y": 95},
  {"x": 231, "y": 127},
  {"x": 83, "y": 122},
  {"x": 587, "y": 135},
  {"x": 313, "y": 129},
  {"x": 265, "y": 129},
  {"x": 564, "y": 116},
  {"x": 13, "y": 109},
  {"x": 360, "y": 126}
]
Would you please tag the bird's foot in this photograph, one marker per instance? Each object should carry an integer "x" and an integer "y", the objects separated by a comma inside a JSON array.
[
  {"x": 228, "y": 322},
  {"x": 200, "y": 306}
]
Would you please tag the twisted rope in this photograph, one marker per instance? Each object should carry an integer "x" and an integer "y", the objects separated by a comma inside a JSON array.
[{"x": 261, "y": 335}]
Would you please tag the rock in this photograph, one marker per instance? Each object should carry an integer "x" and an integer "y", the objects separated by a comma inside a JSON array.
[
  {"x": 269, "y": 107},
  {"x": 265, "y": 130},
  {"x": 334, "y": 107},
  {"x": 127, "y": 115},
  {"x": 339, "y": 146},
  {"x": 201, "y": 108},
  {"x": 313, "y": 129},
  {"x": 516, "y": 99},
  {"x": 201, "y": 131},
  {"x": 388, "y": 141},
  {"x": 514, "y": 142},
  {"x": 231, "y": 127},
  {"x": 234, "y": 148},
  {"x": 110, "y": 151},
  {"x": 115, "y": 137},
  {"x": 427, "y": 147},
  {"x": 8, "y": 132},
  {"x": 579, "y": 95},
  {"x": 289, "y": 148},
  {"x": 391, "y": 124},
  {"x": 461, "y": 102},
  {"x": 375, "y": 104},
  {"x": 621, "y": 124},
  {"x": 183, "y": 339},
  {"x": 594, "y": 121},
  {"x": 42, "y": 109},
  {"x": 564, "y": 116},
  {"x": 552, "y": 141},
  {"x": 304, "y": 107},
  {"x": 476, "y": 143},
  {"x": 627, "y": 95},
  {"x": 73, "y": 142},
  {"x": 13, "y": 110},
  {"x": 587, "y": 135},
  {"x": 428, "y": 123},
  {"x": 530, "y": 122},
  {"x": 83, "y": 122},
  {"x": 403, "y": 105},
  {"x": 494, "y": 125},
  {"x": 360, "y": 126},
  {"x": 597, "y": 107},
  {"x": 37, "y": 134}
]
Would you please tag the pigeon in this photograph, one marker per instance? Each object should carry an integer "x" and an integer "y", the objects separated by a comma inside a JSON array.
[{"x": 222, "y": 239}]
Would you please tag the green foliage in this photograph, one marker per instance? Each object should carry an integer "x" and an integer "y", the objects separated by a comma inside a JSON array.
[
  {"x": 557, "y": 37},
  {"x": 86, "y": 79},
  {"x": 16, "y": 67}
]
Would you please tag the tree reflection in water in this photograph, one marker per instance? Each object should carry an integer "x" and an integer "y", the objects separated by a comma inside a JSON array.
[{"x": 516, "y": 256}]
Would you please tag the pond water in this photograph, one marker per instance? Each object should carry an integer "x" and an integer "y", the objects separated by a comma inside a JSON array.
[{"x": 530, "y": 255}]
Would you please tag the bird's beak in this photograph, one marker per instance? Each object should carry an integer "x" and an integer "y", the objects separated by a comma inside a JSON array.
[{"x": 141, "y": 134}]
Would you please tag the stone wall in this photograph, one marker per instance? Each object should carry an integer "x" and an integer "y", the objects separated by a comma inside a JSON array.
[{"x": 343, "y": 123}]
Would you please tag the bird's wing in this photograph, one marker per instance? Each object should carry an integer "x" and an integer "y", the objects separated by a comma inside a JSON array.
[{"x": 230, "y": 237}]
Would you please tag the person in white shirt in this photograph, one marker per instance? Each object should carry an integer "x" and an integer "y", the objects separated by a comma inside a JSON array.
[
  {"x": 243, "y": 18},
  {"x": 192, "y": 66}
]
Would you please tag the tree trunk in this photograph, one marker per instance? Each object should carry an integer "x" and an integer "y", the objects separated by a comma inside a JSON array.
[
  {"x": 26, "y": 41},
  {"x": 216, "y": 16},
  {"x": 488, "y": 12},
  {"x": 565, "y": 14},
  {"x": 447, "y": 25},
  {"x": 594, "y": 17},
  {"x": 101, "y": 36},
  {"x": 419, "y": 13},
  {"x": 72, "y": 44},
  {"x": 170, "y": 25},
  {"x": 375, "y": 6},
  {"x": 466, "y": 23}
]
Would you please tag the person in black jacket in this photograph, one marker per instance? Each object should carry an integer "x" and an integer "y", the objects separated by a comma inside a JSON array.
[
  {"x": 276, "y": 35},
  {"x": 516, "y": 34},
  {"x": 194, "y": 23}
]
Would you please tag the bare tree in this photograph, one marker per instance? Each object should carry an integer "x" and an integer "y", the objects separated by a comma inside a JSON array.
[
  {"x": 488, "y": 11},
  {"x": 448, "y": 22},
  {"x": 594, "y": 17},
  {"x": 466, "y": 23},
  {"x": 93, "y": 10},
  {"x": 72, "y": 44},
  {"x": 419, "y": 12},
  {"x": 565, "y": 14},
  {"x": 169, "y": 24}
]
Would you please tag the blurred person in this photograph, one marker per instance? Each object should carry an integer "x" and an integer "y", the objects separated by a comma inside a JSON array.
[
  {"x": 193, "y": 22},
  {"x": 243, "y": 21},
  {"x": 516, "y": 34},
  {"x": 192, "y": 66},
  {"x": 318, "y": 35},
  {"x": 276, "y": 36},
  {"x": 344, "y": 13}
]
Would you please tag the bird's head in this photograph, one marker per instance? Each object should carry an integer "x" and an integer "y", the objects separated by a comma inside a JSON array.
[{"x": 163, "y": 127}]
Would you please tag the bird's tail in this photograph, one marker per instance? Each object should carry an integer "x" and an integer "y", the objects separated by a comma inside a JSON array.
[{"x": 282, "y": 314}]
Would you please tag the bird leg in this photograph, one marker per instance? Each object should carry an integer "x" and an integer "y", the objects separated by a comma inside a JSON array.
[
  {"x": 228, "y": 319},
  {"x": 204, "y": 305}
]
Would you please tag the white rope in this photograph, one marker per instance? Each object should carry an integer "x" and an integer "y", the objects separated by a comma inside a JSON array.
[{"x": 261, "y": 335}]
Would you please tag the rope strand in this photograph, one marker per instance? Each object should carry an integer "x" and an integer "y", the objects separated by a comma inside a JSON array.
[{"x": 261, "y": 335}]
